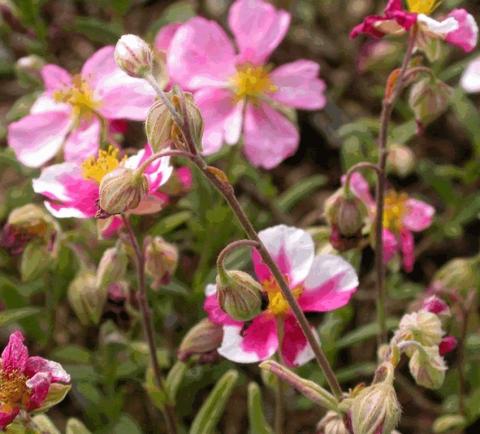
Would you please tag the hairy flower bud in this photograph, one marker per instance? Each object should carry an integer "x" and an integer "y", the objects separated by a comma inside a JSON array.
[
  {"x": 427, "y": 367},
  {"x": 462, "y": 274},
  {"x": 239, "y": 294},
  {"x": 202, "y": 340},
  {"x": 400, "y": 160},
  {"x": 122, "y": 190},
  {"x": 423, "y": 327},
  {"x": 161, "y": 260},
  {"x": 112, "y": 266},
  {"x": 332, "y": 423},
  {"x": 86, "y": 299},
  {"x": 134, "y": 56}
]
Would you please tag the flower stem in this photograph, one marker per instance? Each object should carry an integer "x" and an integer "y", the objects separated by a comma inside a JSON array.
[
  {"x": 356, "y": 168},
  {"x": 230, "y": 248},
  {"x": 387, "y": 108},
  {"x": 169, "y": 409}
]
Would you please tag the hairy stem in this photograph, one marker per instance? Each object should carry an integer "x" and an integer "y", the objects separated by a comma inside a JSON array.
[
  {"x": 230, "y": 248},
  {"x": 356, "y": 168}
]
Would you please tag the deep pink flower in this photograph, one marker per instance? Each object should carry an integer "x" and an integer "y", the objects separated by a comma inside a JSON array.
[
  {"x": 458, "y": 28},
  {"x": 436, "y": 305},
  {"x": 68, "y": 114},
  {"x": 236, "y": 92},
  {"x": 319, "y": 283},
  {"x": 72, "y": 189},
  {"x": 25, "y": 381},
  {"x": 402, "y": 216}
]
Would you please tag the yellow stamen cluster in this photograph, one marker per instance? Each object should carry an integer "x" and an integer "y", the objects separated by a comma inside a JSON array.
[
  {"x": 79, "y": 96},
  {"x": 13, "y": 390},
  {"x": 95, "y": 169},
  {"x": 252, "y": 82},
  {"x": 277, "y": 305},
  {"x": 422, "y": 6},
  {"x": 395, "y": 206}
]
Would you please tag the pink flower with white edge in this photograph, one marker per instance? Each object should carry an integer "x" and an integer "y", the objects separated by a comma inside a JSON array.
[
  {"x": 458, "y": 28},
  {"x": 470, "y": 81},
  {"x": 319, "y": 283},
  {"x": 25, "y": 381},
  {"x": 70, "y": 112},
  {"x": 72, "y": 189},
  {"x": 238, "y": 92},
  {"x": 402, "y": 217}
]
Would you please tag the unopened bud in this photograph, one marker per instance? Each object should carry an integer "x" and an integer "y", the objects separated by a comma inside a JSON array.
[
  {"x": 86, "y": 299},
  {"x": 134, "y": 56},
  {"x": 28, "y": 68},
  {"x": 239, "y": 294},
  {"x": 427, "y": 367},
  {"x": 448, "y": 423},
  {"x": 437, "y": 306},
  {"x": 423, "y": 327},
  {"x": 400, "y": 160},
  {"x": 448, "y": 344},
  {"x": 429, "y": 99},
  {"x": 112, "y": 266},
  {"x": 122, "y": 190},
  {"x": 202, "y": 340},
  {"x": 161, "y": 260},
  {"x": 375, "y": 410},
  {"x": 332, "y": 423},
  {"x": 462, "y": 274},
  {"x": 36, "y": 259}
]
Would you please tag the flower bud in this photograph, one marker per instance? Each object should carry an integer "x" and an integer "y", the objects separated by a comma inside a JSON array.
[
  {"x": 239, "y": 294},
  {"x": 400, "y": 160},
  {"x": 134, "y": 56},
  {"x": 86, "y": 299},
  {"x": 112, "y": 266},
  {"x": 161, "y": 260},
  {"x": 121, "y": 190},
  {"x": 429, "y": 99},
  {"x": 35, "y": 261},
  {"x": 427, "y": 367},
  {"x": 202, "y": 340},
  {"x": 332, "y": 423},
  {"x": 423, "y": 327},
  {"x": 448, "y": 344},
  {"x": 462, "y": 274},
  {"x": 449, "y": 423},
  {"x": 28, "y": 68},
  {"x": 437, "y": 306},
  {"x": 375, "y": 410}
]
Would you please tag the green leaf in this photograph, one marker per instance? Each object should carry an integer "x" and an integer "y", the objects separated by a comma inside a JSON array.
[
  {"x": 363, "y": 333},
  {"x": 171, "y": 222},
  {"x": 13, "y": 315},
  {"x": 468, "y": 116},
  {"x": 74, "y": 426},
  {"x": 126, "y": 425},
  {"x": 56, "y": 394},
  {"x": 45, "y": 424},
  {"x": 72, "y": 354},
  {"x": 256, "y": 418},
  {"x": 97, "y": 30},
  {"x": 299, "y": 191},
  {"x": 212, "y": 409},
  {"x": 174, "y": 379}
]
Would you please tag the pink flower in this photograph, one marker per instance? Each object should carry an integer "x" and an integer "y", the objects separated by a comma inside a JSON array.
[
  {"x": 237, "y": 92},
  {"x": 436, "y": 305},
  {"x": 470, "y": 80},
  {"x": 458, "y": 28},
  {"x": 69, "y": 113},
  {"x": 402, "y": 216},
  {"x": 72, "y": 188},
  {"x": 448, "y": 344},
  {"x": 319, "y": 283},
  {"x": 25, "y": 381},
  {"x": 164, "y": 37}
]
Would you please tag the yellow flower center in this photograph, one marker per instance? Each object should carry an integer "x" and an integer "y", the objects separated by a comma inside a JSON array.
[
  {"x": 422, "y": 6},
  {"x": 13, "y": 390},
  {"x": 252, "y": 82},
  {"x": 277, "y": 305},
  {"x": 395, "y": 206},
  {"x": 79, "y": 96},
  {"x": 95, "y": 169}
]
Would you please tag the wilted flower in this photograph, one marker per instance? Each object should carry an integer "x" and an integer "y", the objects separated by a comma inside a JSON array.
[
  {"x": 233, "y": 91},
  {"x": 427, "y": 367},
  {"x": 332, "y": 423},
  {"x": 320, "y": 284},
  {"x": 25, "y": 382},
  {"x": 202, "y": 340},
  {"x": 70, "y": 111},
  {"x": 134, "y": 56},
  {"x": 161, "y": 260},
  {"x": 423, "y": 327}
]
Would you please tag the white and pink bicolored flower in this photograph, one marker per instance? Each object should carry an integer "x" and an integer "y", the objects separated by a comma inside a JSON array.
[
  {"x": 457, "y": 28},
  {"x": 72, "y": 189},
  {"x": 237, "y": 92},
  {"x": 70, "y": 112},
  {"x": 402, "y": 217},
  {"x": 25, "y": 381},
  {"x": 319, "y": 283}
]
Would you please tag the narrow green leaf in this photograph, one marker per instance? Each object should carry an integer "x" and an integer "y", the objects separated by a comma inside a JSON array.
[
  {"x": 256, "y": 418},
  {"x": 174, "y": 379},
  {"x": 171, "y": 222},
  {"x": 299, "y": 191},
  {"x": 363, "y": 333},
  {"x": 97, "y": 30},
  {"x": 12, "y": 315}
]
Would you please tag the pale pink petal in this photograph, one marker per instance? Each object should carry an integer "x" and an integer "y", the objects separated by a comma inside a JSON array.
[
  {"x": 470, "y": 80},
  {"x": 407, "y": 246},
  {"x": 165, "y": 35},
  {"x": 37, "y": 364},
  {"x": 296, "y": 351},
  {"x": 329, "y": 285},
  {"x": 269, "y": 136},
  {"x": 153, "y": 203},
  {"x": 213, "y": 309},
  {"x": 6, "y": 418},
  {"x": 258, "y": 341},
  {"x": 390, "y": 245},
  {"x": 291, "y": 248},
  {"x": 466, "y": 35},
  {"x": 258, "y": 28},
  {"x": 298, "y": 85},
  {"x": 37, "y": 138},
  {"x": 69, "y": 194},
  {"x": 222, "y": 118},
  {"x": 110, "y": 227},
  {"x": 201, "y": 55},
  {"x": 15, "y": 354},
  {"x": 99, "y": 65},
  {"x": 83, "y": 141},
  {"x": 39, "y": 385},
  {"x": 55, "y": 78},
  {"x": 418, "y": 215},
  {"x": 360, "y": 188},
  {"x": 437, "y": 29}
]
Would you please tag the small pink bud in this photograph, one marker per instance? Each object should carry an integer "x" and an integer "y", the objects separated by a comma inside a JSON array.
[
  {"x": 161, "y": 260},
  {"x": 436, "y": 305},
  {"x": 202, "y": 340},
  {"x": 448, "y": 344},
  {"x": 134, "y": 56}
]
